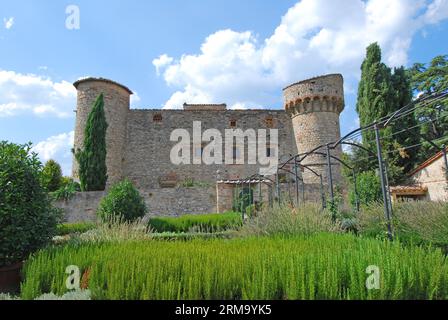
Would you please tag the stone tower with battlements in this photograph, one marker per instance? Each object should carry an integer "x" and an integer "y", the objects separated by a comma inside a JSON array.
[{"x": 314, "y": 106}]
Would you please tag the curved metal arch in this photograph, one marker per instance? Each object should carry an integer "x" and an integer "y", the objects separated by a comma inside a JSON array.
[
  {"x": 335, "y": 158},
  {"x": 359, "y": 146}
]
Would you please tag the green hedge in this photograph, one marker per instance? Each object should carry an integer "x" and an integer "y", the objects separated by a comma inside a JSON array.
[
  {"x": 205, "y": 222},
  {"x": 323, "y": 266},
  {"x": 70, "y": 228}
]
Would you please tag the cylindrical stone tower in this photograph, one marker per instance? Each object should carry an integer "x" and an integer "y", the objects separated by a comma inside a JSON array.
[
  {"x": 314, "y": 106},
  {"x": 116, "y": 107}
]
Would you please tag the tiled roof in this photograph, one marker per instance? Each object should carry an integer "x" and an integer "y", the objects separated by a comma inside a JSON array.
[
  {"x": 427, "y": 162},
  {"x": 408, "y": 189}
]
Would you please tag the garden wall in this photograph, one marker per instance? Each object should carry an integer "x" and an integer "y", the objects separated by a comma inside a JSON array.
[{"x": 160, "y": 202}]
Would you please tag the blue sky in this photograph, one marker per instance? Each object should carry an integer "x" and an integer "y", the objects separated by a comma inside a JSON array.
[{"x": 169, "y": 52}]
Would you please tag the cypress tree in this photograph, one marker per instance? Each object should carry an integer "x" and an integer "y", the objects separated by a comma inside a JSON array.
[
  {"x": 375, "y": 91},
  {"x": 406, "y": 159},
  {"x": 380, "y": 93},
  {"x": 92, "y": 159}
]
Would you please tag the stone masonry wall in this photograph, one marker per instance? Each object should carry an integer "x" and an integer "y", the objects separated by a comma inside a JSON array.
[
  {"x": 148, "y": 147},
  {"x": 314, "y": 106},
  {"x": 160, "y": 202},
  {"x": 433, "y": 177},
  {"x": 116, "y": 108}
]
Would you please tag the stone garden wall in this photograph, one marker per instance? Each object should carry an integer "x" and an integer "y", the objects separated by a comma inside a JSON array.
[{"x": 160, "y": 202}]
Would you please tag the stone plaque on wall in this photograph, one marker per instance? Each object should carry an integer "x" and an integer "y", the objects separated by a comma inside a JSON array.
[{"x": 168, "y": 181}]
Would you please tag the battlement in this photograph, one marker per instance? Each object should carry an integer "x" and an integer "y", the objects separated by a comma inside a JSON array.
[
  {"x": 205, "y": 107},
  {"x": 319, "y": 94}
]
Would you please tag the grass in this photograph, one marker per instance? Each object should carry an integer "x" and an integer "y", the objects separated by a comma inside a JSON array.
[
  {"x": 320, "y": 266},
  {"x": 205, "y": 223},
  {"x": 71, "y": 228}
]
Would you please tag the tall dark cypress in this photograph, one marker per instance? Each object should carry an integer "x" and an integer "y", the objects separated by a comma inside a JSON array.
[
  {"x": 405, "y": 129},
  {"x": 375, "y": 91},
  {"x": 92, "y": 159}
]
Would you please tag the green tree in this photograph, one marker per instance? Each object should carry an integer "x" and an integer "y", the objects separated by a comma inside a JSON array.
[
  {"x": 381, "y": 93},
  {"x": 92, "y": 159},
  {"x": 27, "y": 219},
  {"x": 52, "y": 176},
  {"x": 376, "y": 96},
  {"x": 405, "y": 129},
  {"x": 426, "y": 80},
  {"x": 368, "y": 186}
]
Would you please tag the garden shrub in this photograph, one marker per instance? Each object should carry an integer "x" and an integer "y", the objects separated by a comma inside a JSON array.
[
  {"x": 203, "y": 222},
  {"x": 71, "y": 228},
  {"x": 281, "y": 219},
  {"x": 123, "y": 202},
  {"x": 321, "y": 266},
  {"x": 27, "y": 219},
  {"x": 52, "y": 175},
  {"x": 369, "y": 188},
  {"x": 66, "y": 191},
  {"x": 242, "y": 199},
  {"x": 115, "y": 230},
  {"x": 413, "y": 222}
]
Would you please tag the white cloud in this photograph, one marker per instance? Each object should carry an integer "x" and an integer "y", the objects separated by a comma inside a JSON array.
[
  {"x": 30, "y": 93},
  {"x": 161, "y": 62},
  {"x": 437, "y": 11},
  {"x": 57, "y": 148},
  {"x": 135, "y": 98},
  {"x": 8, "y": 22},
  {"x": 314, "y": 37}
]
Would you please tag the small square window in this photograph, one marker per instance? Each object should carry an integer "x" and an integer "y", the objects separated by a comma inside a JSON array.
[
  {"x": 232, "y": 123},
  {"x": 157, "y": 117},
  {"x": 269, "y": 122}
]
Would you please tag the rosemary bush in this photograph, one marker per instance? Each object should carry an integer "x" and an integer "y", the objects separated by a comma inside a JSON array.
[
  {"x": 321, "y": 266},
  {"x": 202, "y": 222}
]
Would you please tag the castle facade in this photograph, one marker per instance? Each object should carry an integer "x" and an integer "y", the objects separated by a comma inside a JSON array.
[{"x": 139, "y": 145}]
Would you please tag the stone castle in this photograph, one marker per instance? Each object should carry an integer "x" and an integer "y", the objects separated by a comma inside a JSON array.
[{"x": 139, "y": 146}]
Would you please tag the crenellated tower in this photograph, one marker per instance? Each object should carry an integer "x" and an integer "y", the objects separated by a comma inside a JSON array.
[
  {"x": 315, "y": 106},
  {"x": 116, "y": 107}
]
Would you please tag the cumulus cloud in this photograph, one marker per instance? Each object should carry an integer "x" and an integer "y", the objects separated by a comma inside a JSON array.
[
  {"x": 8, "y": 22},
  {"x": 57, "y": 148},
  {"x": 30, "y": 93},
  {"x": 314, "y": 37},
  {"x": 161, "y": 62}
]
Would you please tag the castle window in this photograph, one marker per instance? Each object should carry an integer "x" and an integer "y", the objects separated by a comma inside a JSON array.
[
  {"x": 233, "y": 123},
  {"x": 269, "y": 122},
  {"x": 157, "y": 118}
]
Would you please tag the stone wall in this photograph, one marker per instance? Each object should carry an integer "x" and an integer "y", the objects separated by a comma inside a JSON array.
[
  {"x": 82, "y": 207},
  {"x": 148, "y": 148},
  {"x": 160, "y": 202},
  {"x": 433, "y": 177}
]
